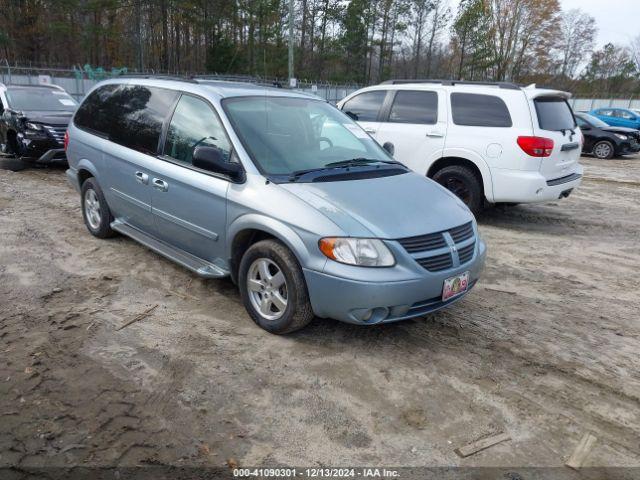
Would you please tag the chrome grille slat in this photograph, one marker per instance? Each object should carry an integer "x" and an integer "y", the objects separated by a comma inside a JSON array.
[
  {"x": 462, "y": 233},
  {"x": 57, "y": 132},
  {"x": 437, "y": 262}
]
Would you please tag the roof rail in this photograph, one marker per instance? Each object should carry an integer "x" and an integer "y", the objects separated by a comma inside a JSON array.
[
  {"x": 506, "y": 85},
  {"x": 155, "y": 76}
]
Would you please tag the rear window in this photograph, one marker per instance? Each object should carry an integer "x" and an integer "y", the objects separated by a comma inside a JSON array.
[
  {"x": 130, "y": 115},
  {"x": 365, "y": 107},
  {"x": 414, "y": 107},
  {"x": 476, "y": 110},
  {"x": 554, "y": 113}
]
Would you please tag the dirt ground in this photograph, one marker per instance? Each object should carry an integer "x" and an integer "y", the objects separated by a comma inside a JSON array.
[{"x": 546, "y": 348}]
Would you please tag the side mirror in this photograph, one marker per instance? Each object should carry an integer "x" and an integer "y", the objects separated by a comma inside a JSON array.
[
  {"x": 389, "y": 147},
  {"x": 211, "y": 160}
]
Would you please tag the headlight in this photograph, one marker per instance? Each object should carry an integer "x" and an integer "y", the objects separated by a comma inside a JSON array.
[
  {"x": 364, "y": 252},
  {"x": 620, "y": 136},
  {"x": 33, "y": 126}
]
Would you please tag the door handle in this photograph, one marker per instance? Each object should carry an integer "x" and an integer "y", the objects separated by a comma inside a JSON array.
[
  {"x": 435, "y": 134},
  {"x": 142, "y": 177},
  {"x": 370, "y": 130},
  {"x": 160, "y": 185}
]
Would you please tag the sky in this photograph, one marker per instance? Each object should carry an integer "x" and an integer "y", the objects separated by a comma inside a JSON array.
[{"x": 618, "y": 20}]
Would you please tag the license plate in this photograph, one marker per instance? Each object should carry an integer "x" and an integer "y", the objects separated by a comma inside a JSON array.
[{"x": 455, "y": 286}]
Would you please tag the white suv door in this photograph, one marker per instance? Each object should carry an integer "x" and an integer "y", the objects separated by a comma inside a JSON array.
[
  {"x": 365, "y": 108},
  {"x": 415, "y": 121}
]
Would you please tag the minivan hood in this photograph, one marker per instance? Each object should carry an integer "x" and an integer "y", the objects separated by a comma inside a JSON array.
[
  {"x": 391, "y": 207},
  {"x": 49, "y": 118}
]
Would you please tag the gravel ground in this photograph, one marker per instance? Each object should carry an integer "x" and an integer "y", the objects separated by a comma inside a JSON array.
[{"x": 545, "y": 349}]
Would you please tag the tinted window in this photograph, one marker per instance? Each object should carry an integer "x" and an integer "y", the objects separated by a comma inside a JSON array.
[
  {"x": 40, "y": 98},
  {"x": 605, "y": 113},
  {"x": 92, "y": 113},
  {"x": 624, "y": 114},
  {"x": 194, "y": 124},
  {"x": 554, "y": 114},
  {"x": 365, "y": 107},
  {"x": 130, "y": 115},
  {"x": 414, "y": 107},
  {"x": 479, "y": 110}
]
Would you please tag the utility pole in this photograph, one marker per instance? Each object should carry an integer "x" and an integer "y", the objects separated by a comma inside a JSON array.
[{"x": 291, "y": 19}]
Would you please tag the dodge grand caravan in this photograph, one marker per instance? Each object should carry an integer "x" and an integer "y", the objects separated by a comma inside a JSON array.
[
  {"x": 279, "y": 190},
  {"x": 486, "y": 142}
]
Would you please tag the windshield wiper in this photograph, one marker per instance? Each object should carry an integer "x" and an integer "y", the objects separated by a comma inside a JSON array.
[
  {"x": 357, "y": 161},
  {"x": 353, "y": 162}
]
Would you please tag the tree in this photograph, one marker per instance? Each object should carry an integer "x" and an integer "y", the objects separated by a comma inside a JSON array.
[{"x": 577, "y": 34}]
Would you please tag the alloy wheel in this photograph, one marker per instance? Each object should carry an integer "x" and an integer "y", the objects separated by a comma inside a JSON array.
[{"x": 267, "y": 288}]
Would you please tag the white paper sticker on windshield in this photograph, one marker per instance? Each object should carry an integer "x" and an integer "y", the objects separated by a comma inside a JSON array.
[
  {"x": 67, "y": 102},
  {"x": 58, "y": 92},
  {"x": 356, "y": 130}
]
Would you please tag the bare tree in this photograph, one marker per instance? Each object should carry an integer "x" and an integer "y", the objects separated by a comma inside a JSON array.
[{"x": 577, "y": 34}]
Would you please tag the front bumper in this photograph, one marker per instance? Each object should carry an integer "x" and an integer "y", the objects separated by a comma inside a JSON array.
[
  {"x": 352, "y": 300},
  {"x": 42, "y": 150},
  {"x": 516, "y": 186}
]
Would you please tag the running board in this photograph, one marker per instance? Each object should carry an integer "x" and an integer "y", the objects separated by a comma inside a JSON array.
[{"x": 195, "y": 264}]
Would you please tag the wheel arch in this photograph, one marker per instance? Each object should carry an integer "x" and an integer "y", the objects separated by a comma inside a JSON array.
[
  {"x": 252, "y": 228},
  {"x": 477, "y": 165}
]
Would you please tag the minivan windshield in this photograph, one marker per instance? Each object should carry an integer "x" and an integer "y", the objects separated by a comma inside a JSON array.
[
  {"x": 291, "y": 136},
  {"x": 42, "y": 99}
]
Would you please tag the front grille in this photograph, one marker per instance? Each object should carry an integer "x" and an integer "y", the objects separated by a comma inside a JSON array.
[
  {"x": 462, "y": 234},
  {"x": 423, "y": 243},
  {"x": 437, "y": 262},
  {"x": 57, "y": 132},
  {"x": 465, "y": 254}
]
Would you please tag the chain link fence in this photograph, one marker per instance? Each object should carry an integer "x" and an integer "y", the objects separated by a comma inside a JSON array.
[{"x": 77, "y": 81}]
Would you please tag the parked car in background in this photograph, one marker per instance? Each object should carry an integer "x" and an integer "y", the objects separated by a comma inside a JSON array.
[
  {"x": 486, "y": 142},
  {"x": 618, "y": 117},
  {"x": 605, "y": 141},
  {"x": 33, "y": 121},
  {"x": 279, "y": 190}
]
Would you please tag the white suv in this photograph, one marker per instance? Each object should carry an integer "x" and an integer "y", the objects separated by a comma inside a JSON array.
[{"x": 493, "y": 142}]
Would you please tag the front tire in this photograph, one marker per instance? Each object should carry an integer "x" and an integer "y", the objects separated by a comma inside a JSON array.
[
  {"x": 273, "y": 288},
  {"x": 464, "y": 183},
  {"x": 95, "y": 211},
  {"x": 603, "y": 150}
]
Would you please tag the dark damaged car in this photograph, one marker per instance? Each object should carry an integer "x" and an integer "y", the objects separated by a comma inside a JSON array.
[{"x": 33, "y": 121}]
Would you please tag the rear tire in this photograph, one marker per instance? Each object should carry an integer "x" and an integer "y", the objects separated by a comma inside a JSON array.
[
  {"x": 463, "y": 182},
  {"x": 603, "y": 150},
  {"x": 273, "y": 288},
  {"x": 95, "y": 211}
]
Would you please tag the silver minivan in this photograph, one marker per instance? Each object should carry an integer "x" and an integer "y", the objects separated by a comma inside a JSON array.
[{"x": 280, "y": 190}]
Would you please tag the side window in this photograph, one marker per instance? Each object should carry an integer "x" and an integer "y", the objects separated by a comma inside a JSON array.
[
  {"x": 194, "y": 124},
  {"x": 365, "y": 107},
  {"x": 91, "y": 115},
  {"x": 414, "y": 107},
  {"x": 605, "y": 113},
  {"x": 137, "y": 113},
  {"x": 471, "y": 109},
  {"x": 626, "y": 115}
]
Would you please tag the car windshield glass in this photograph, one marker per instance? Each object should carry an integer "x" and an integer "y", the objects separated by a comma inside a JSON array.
[
  {"x": 290, "y": 136},
  {"x": 594, "y": 121},
  {"x": 554, "y": 113},
  {"x": 40, "y": 99}
]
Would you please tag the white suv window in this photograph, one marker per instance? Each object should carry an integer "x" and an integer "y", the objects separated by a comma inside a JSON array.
[
  {"x": 366, "y": 106},
  {"x": 475, "y": 110},
  {"x": 414, "y": 107}
]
